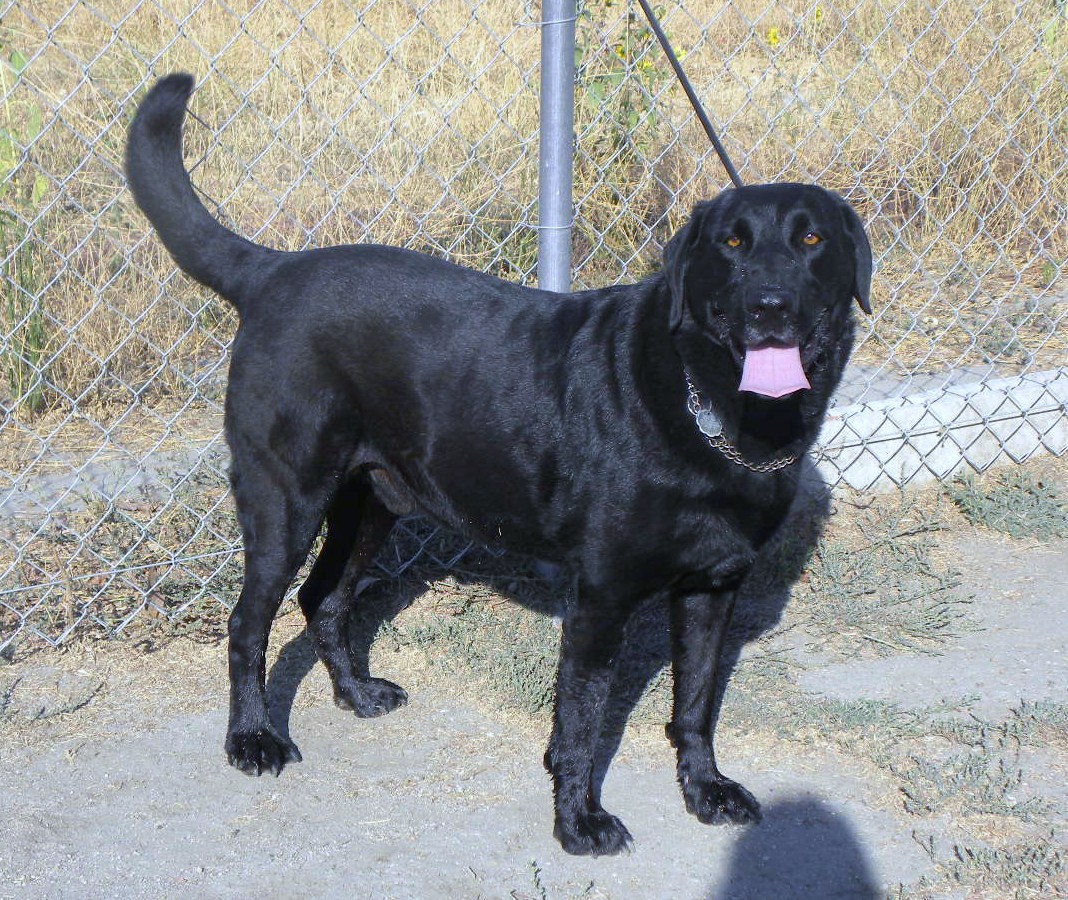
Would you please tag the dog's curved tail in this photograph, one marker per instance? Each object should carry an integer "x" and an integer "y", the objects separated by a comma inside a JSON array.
[{"x": 202, "y": 247}]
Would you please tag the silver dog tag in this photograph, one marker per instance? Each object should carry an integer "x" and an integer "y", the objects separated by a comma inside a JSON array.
[{"x": 709, "y": 423}]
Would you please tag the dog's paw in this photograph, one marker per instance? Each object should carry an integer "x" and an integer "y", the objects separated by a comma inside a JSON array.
[
  {"x": 592, "y": 833},
  {"x": 720, "y": 801},
  {"x": 256, "y": 752},
  {"x": 370, "y": 697}
]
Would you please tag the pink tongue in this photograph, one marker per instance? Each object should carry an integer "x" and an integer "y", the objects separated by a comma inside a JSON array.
[{"x": 773, "y": 371}]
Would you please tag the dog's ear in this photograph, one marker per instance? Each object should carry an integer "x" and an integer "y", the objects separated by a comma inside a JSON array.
[
  {"x": 677, "y": 255},
  {"x": 854, "y": 229}
]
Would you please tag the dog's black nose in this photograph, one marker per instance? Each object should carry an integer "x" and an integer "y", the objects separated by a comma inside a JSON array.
[{"x": 771, "y": 300}]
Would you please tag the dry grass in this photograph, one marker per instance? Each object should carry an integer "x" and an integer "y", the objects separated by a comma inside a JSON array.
[{"x": 945, "y": 127}]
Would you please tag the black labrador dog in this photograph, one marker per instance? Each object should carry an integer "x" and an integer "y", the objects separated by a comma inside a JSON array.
[{"x": 646, "y": 437}]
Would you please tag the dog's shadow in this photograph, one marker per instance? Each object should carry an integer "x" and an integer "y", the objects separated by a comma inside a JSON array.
[
  {"x": 758, "y": 609},
  {"x": 648, "y": 647}
]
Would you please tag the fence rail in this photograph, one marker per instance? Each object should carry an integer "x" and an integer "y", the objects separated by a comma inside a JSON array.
[{"x": 416, "y": 123}]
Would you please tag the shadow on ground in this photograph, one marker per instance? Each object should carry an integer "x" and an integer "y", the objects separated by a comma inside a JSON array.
[{"x": 807, "y": 839}]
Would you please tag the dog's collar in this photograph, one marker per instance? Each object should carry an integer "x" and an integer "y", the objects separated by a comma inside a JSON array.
[{"x": 709, "y": 424}]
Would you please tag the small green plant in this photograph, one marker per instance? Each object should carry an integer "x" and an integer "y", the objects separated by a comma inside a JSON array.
[
  {"x": 539, "y": 886},
  {"x": 512, "y": 649},
  {"x": 1000, "y": 342},
  {"x": 621, "y": 75},
  {"x": 882, "y": 590},
  {"x": 1028, "y": 870},
  {"x": 981, "y": 781},
  {"x": 1011, "y": 502},
  {"x": 626, "y": 154},
  {"x": 1021, "y": 871},
  {"x": 25, "y": 334}
]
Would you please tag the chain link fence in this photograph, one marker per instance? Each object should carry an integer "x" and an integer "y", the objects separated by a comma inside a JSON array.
[{"x": 416, "y": 123}]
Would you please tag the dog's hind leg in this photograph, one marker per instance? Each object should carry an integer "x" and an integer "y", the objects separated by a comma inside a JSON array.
[
  {"x": 279, "y": 521},
  {"x": 357, "y": 524},
  {"x": 592, "y": 637},
  {"x": 342, "y": 526}
]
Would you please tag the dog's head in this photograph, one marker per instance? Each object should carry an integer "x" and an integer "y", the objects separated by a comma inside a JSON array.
[{"x": 769, "y": 271}]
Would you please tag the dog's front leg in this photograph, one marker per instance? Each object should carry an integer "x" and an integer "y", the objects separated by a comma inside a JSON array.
[
  {"x": 699, "y": 624},
  {"x": 588, "y": 648}
]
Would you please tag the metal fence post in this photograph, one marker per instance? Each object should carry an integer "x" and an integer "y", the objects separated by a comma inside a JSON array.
[{"x": 556, "y": 144}]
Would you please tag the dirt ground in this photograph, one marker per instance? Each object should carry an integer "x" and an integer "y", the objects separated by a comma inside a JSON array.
[{"x": 897, "y": 773}]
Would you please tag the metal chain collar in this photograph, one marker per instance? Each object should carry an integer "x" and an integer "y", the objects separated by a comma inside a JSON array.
[{"x": 710, "y": 426}]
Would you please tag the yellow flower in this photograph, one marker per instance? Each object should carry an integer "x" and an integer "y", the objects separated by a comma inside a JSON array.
[{"x": 773, "y": 36}]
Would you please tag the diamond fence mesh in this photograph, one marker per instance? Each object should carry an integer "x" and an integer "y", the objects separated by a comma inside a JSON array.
[{"x": 416, "y": 123}]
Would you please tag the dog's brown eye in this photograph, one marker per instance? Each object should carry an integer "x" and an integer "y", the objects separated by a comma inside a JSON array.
[
  {"x": 811, "y": 239},
  {"x": 733, "y": 241}
]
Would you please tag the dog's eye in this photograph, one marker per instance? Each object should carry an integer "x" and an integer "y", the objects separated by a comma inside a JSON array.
[
  {"x": 811, "y": 239},
  {"x": 733, "y": 241}
]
